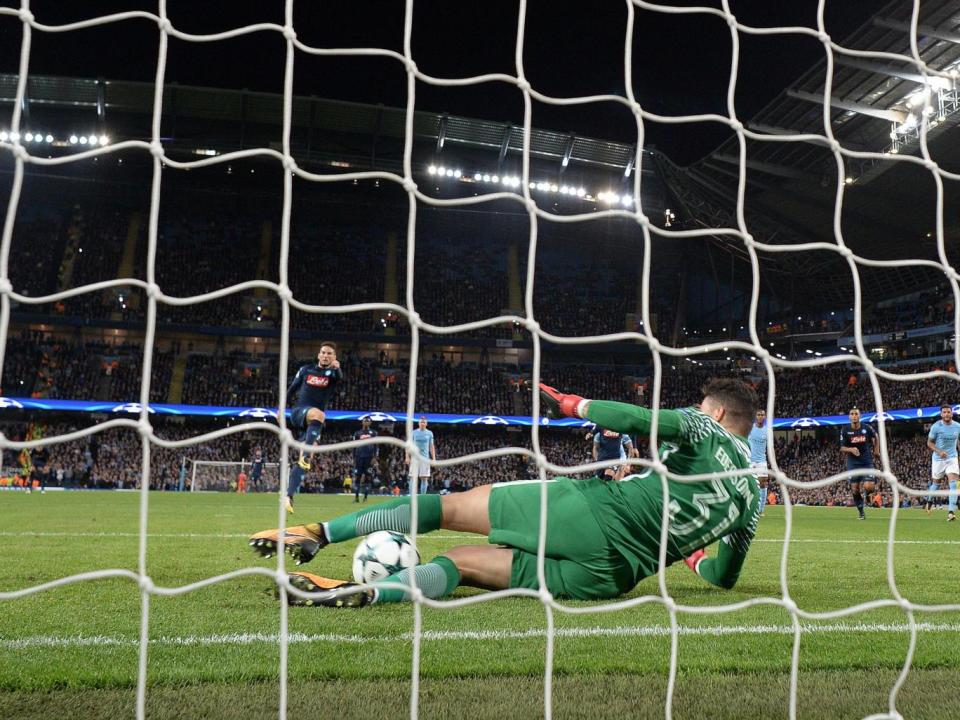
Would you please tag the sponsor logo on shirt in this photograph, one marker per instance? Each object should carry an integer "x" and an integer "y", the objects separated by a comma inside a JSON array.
[{"x": 318, "y": 381}]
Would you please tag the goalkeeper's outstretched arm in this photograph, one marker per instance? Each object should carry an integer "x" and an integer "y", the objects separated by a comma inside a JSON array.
[{"x": 618, "y": 416}]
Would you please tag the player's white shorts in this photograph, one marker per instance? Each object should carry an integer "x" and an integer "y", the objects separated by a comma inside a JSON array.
[
  {"x": 761, "y": 467},
  {"x": 423, "y": 469},
  {"x": 946, "y": 466}
]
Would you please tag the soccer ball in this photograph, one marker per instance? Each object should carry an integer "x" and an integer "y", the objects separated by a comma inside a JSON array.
[{"x": 382, "y": 554}]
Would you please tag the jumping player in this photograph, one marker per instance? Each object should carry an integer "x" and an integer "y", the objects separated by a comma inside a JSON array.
[
  {"x": 858, "y": 443},
  {"x": 311, "y": 390},
  {"x": 602, "y": 537}
]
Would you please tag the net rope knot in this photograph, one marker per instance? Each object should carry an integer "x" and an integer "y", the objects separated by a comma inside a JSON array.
[
  {"x": 285, "y": 293},
  {"x": 523, "y": 84},
  {"x": 409, "y": 185},
  {"x": 146, "y": 584},
  {"x": 6, "y": 287},
  {"x": 165, "y": 25},
  {"x": 289, "y": 33},
  {"x": 26, "y": 16}
]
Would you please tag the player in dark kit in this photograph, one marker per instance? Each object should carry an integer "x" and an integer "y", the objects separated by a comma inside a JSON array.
[
  {"x": 363, "y": 458},
  {"x": 858, "y": 443},
  {"x": 256, "y": 469},
  {"x": 609, "y": 445},
  {"x": 311, "y": 390}
]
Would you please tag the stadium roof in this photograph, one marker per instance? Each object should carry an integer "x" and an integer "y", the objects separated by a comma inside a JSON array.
[{"x": 888, "y": 204}]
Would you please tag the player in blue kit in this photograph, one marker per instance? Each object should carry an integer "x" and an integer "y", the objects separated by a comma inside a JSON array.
[
  {"x": 942, "y": 441},
  {"x": 311, "y": 390},
  {"x": 610, "y": 445},
  {"x": 363, "y": 458},
  {"x": 858, "y": 443},
  {"x": 256, "y": 468},
  {"x": 758, "y": 454}
]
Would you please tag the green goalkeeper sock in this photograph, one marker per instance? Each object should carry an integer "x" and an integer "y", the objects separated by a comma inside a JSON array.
[
  {"x": 392, "y": 515},
  {"x": 437, "y": 578}
]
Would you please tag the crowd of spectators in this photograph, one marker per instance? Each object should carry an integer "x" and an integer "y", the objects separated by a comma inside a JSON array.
[
  {"x": 112, "y": 459},
  {"x": 932, "y": 307},
  {"x": 42, "y": 365},
  {"x": 37, "y": 365}
]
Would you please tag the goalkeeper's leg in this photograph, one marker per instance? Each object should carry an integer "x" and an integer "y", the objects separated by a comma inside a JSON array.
[{"x": 466, "y": 512}]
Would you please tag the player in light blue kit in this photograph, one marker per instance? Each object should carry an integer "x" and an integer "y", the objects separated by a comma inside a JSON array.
[
  {"x": 427, "y": 448},
  {"x": 758, "y": 455},
  {"x": 942, "y": 441}
]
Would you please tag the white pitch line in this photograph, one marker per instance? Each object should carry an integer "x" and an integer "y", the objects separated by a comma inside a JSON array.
[
  {"x": 431, "y": 536},
  {"x": 52, "y": 641}
]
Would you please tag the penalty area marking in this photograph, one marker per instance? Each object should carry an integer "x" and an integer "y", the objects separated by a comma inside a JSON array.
[{"x": 53, "y": 641}]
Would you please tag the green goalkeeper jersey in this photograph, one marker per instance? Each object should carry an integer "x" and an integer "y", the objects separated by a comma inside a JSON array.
[{"x": 701, "y": 512}]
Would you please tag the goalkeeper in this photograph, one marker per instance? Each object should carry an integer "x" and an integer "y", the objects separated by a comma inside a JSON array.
[{"x": 602, "y": 537}]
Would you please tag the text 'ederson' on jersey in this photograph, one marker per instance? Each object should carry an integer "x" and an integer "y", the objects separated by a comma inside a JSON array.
[{"x": 701, "y": 511}]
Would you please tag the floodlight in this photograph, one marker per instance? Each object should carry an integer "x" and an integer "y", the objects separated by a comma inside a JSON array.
[
  {"x": 74, "y": 139},
  {"x": 432, "y": 169},
  {"x": 4, "y": 136},
  {"x": 495, "y": 178},
  {"x": 477, "y": 176},
  {"x": 28, "y": 137},
  {"x": 457, "y": 173},
  {"x": 83, "y": 139},
  {"x": 49, "y": 138},
  {"x": 104, "y": 140}
]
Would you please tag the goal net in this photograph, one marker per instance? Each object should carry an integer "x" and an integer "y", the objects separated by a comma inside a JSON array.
[
  {"x": 526, "y": 195},
  {"x": 222, "y": 476}
]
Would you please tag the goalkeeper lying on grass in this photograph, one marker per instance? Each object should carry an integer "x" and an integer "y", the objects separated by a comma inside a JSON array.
[{"x": 602, "y": 537}]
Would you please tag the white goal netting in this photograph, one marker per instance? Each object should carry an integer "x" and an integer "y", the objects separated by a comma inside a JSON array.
[{"x": 521, "y": 195}]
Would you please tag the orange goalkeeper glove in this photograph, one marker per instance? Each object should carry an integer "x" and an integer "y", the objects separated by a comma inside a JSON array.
[
  {"x": 693, "y": 562},
  {"x": 557, "y": 405}
]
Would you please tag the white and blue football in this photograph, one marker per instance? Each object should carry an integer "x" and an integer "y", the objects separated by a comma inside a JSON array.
[{"x": 382, "y": 554}]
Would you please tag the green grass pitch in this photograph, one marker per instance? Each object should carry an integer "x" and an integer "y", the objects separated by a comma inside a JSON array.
[{"x": 73, "y": 650}]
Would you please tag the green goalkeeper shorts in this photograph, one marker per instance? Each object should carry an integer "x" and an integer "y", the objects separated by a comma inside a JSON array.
[{"x": 580, "y": 561}]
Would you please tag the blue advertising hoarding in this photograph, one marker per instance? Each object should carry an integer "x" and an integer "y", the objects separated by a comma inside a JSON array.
[{"x": 258, "y": 413}]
